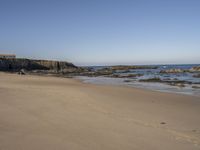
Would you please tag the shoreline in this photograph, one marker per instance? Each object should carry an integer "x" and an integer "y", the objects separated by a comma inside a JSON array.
[
  {"x": 40, "y": 112},
  {"x": 140, "y": 85},
  {"x": 82, "y": 80}
]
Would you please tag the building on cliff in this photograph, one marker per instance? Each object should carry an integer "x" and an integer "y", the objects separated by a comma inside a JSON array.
[{"x": 8, "y": 56}]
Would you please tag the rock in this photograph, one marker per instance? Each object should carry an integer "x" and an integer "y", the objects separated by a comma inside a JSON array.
[
  {"x": 172, "y": 71},
  {"x": 102, "y": 72},
  {"x": 122, "y": 71},
  {"x": 196, "y": 75},
  {"x": 22, "y": 72},
  {"x": 196, "y": 87},
  {"x": 194, "y": 130},
  {"x": 111, "y": 71},
  {"x": 115, "y": 76},
  {"x": 195, "y": 69},
  {"x": 125, "y": 76},
  {"x": 132, "y": 75},
  {"x": 151, "y": 80},
  {"x": 95, "y": 73},
  {"x": 127, "y": 80},
  {"x": 163, "y": 123},
  {"x": 179, "y": 83},
  {"x": 132, "y": 67},
  {"x": 29, "y": 64}
]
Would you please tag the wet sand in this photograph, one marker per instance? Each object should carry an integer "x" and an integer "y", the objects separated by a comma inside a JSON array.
[{"x": 48, "y": 113}]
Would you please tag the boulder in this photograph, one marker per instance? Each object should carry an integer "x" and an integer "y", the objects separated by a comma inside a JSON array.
[{"x": 22, "y": 72}]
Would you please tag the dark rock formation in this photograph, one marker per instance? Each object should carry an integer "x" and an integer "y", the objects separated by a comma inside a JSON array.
[
  {"x": 156, "y": 79},
  {"x": 196, "y": 75},
  {"x": 125, "y": 76},
  {"x": 112, "y": 70},
  {"x": 127, "y": 80},
  {"x": 28, "y": 64},
  {"x": 180, "y": 83},
  {"x": 22, "y": 72},
  {"x": 96, "y": 73},
  {"x": 196, "y": 87}
]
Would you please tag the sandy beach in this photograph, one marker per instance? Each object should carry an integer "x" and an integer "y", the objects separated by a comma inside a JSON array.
[{"x": 48, "y": 113}]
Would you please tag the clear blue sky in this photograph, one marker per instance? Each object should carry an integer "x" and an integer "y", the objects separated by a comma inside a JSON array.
[{"x": 98, "y": 32}]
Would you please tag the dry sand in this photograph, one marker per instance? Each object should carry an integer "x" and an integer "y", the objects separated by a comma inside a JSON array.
[{"x": 49, "y": 113}]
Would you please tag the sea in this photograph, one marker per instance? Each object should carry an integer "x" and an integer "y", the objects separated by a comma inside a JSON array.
[{"x": 188, "y": 89}]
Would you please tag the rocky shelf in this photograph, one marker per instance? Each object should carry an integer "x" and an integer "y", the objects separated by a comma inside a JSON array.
[{"x": 30, "y": 64}]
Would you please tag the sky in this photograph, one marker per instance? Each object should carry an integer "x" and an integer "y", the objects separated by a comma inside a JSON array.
[{"x": 102, "y": 32}]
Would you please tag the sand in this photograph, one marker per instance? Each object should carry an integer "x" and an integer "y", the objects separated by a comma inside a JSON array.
[{"x": 49, "y": 113}]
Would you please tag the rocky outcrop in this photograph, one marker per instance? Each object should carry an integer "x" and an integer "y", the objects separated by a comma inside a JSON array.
[
  {"x": 156, "y": 79},
  {"x": 28, "y": 64},
  {"x": 132, "y": 67},
  {"x": 111, "y": 70},
  {"x": 179, "y": 83},
  {"x": 125, "y": 75},
  {"x": 195, "y": 69},
  {"x": 192, "y": 70},
  {"x": 172, "y": 71},
  {"x": 196, "y": 75},
  {"x": 95, "y": 73}
]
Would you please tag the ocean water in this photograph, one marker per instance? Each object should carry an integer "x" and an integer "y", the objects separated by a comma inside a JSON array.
[{"x": 152, "y": 73}]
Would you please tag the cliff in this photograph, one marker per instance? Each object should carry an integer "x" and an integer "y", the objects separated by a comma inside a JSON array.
[{"x": 29, "y": 64}]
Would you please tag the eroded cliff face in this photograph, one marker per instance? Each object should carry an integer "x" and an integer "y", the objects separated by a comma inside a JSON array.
[{"x": 28, "y": 64}]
